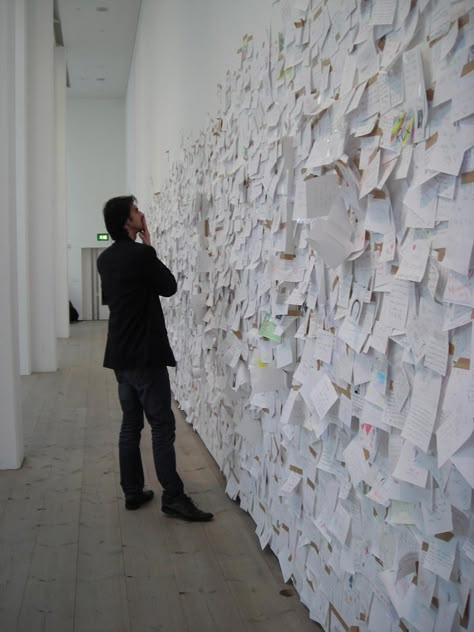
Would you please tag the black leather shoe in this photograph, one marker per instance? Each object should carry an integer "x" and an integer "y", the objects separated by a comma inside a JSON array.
[
  {"x": 183, "y": 507},
  {"x": 135, "y": 502}
]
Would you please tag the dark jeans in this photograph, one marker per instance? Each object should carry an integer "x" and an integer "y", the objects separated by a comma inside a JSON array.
[{"x": 147, "y": 390}]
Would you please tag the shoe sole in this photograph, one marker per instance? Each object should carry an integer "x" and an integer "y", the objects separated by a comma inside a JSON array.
[
  {"x": 134, "y": 507},
  {"x": 174, "y": 514}
]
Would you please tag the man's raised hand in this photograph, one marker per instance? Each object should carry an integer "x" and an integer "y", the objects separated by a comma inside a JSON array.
[{"x": 144, "y": 234}]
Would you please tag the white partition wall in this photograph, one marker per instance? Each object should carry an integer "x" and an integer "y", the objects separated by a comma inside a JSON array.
[
  {"x": 40, "y": 89},
  {"x": 34, "y": 307},
  {"x": 60, "y": 224},
  {"x": 42, "y": 183},
  {"x": 183, "y": 50},
  {"x": 94, "y": 127},
  {"x": 23, "y": 236},
  {"x": 11, "y": 436}
]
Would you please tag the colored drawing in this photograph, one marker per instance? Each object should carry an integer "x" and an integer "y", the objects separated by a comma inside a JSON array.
[
  {"x": 403, "y": 128},
  {"x": 267, "y": 329}
]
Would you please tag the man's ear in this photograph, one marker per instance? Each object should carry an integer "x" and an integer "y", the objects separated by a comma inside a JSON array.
[{"x": 126, "y": 228}]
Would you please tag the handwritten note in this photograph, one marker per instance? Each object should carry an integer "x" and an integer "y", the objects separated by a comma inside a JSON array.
[
  {"x": 323, "y": 396},
  {"x": 423, "y": 409}
]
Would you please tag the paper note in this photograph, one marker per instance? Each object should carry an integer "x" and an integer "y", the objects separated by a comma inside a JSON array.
[
  {"x": 352, "y": 335},
  {"x": 383, "y": 12},
  {"x": 437, "y": 519},
  {"x": 284, "y": 353},
  {"x": 348, "y": 74},
  {"x": 324, "y": 345},
  {"x": 400, "y": 385},
  {"x": 462, "y": 98},
  {"x": 325, "y": 151},
  {"x": 378, "y": 218},
  {"x": 390, "y": 87},
  {"x": 357, "y": 465},
  {"x": 404, "y": 162},
  {"x": 323, "y": 396},
  {"x": 300, "y": 210},
  {"x": 440, "y": 557},
  {"x": 379, "y": 337},
  {"x": 422, "y": 199},
  {"x": 391, "y": 49},
  {"x": 403, "y": 129},
  {"x": 413, "y": 265},
  {"x": 468, "y": 548},
  {"x": 463, "y": 459},
  {"x": 332, "y": 243},
  {"x": 402, "y": 513},
  {"x": 366, "y": 126},
  {"x": 384, "y": 491},
  {"x": 407, "y": 468},
  {"x": 291, "y": 483},
  {"x": 416, "y": 614},
  {"x": 423, "y": 409},
  {"x": 340, "y": 523},
  {"x": 320, "y": 194},
  {"x": 391, "y": 413},
  {"x": 294, "y": 409},
  {"x": 447, "y": 152},
  {"x": 415, "y": 90},
  {"x": 459, "y": 290},
  {"x": 445, "y": 616},
  {"x": 267, "y": 379},
  {"x": 436, "y": 352},
  {"x": 250, "y": 430},
  {"x": 395, "y": 314},
  {"x": 370, "y": 177},
  {"x": 356, "y": 97},
  {"x": 204, "y": 261},
  {"x": 458, "y": 490},
  {"x": 460, "y": 236},
  {"x": 458, "y": 255},
  {"x": 389, "y": 246}
]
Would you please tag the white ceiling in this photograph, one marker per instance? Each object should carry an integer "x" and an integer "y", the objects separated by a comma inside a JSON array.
[{"x": 98, "y": 36}]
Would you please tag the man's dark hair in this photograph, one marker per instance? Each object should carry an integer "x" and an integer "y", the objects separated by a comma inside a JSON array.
[{"x": 116, "y": 213}]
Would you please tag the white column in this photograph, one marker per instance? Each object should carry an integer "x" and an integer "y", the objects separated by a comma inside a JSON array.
[
  {"x": 11, "y": 432},
  {"x": 42, "y": 183},
  {"x": 62, "y": 293},
  {"x": 22, "y": 190}
]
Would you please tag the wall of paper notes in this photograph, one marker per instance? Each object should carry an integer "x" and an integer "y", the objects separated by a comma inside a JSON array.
[{"x": 322, "y": 231}]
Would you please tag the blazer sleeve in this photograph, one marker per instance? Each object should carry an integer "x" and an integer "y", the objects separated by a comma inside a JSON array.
[{"x": 162, "y": 279}]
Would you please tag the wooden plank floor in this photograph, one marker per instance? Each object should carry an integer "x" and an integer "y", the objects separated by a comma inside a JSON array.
[{"x": 72, "y": 558}]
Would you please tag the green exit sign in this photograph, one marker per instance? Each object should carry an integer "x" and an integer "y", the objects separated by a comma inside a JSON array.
[{"x": 102, "y": 236}]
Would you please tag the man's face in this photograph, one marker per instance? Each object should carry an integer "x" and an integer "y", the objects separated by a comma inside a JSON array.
[{"x": 135, "y": 219}]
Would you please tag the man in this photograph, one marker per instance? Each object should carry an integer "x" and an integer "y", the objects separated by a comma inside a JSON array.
[{"x": 138, "y": 350}]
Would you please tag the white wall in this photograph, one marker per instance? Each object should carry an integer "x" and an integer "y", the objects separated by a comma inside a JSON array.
[
  {"x": 182, "y": 51},
  {"x": 60, "y": 235},
  {"x": 22, "y": 230},
  {"x": 11, "y": 430},
  {"x": 41, "y": 168},
  {"x": 40, "y": 72},
  {"x": 332, "y": 457},
  {"x": 95, "y": 155}
]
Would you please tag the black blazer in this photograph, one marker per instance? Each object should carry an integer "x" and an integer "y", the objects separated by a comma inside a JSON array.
[{"x": 132, "y": 279}]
